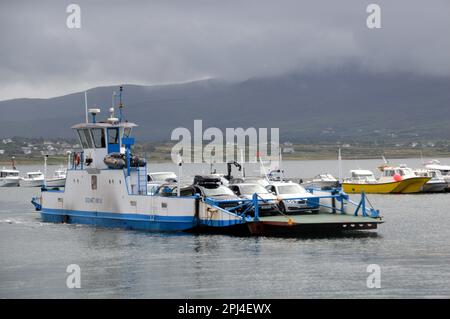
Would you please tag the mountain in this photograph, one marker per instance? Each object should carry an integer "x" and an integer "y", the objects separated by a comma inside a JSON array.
[{"x": 307, "y": 107}]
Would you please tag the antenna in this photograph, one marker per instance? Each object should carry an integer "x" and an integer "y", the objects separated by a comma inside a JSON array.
[
  {"x": 180, "y": 173},
  {"x": 86, "y": 106},
  {"x": 120, "y": 103},
  {"x": 114, "y": 94},
  {"x": 339, "y": 166},
  {"x": 421, "y": 157},
  {"x": 262, "y": 168},
  {"x": 280, "y": 159},
  {"x": 112, "y": 118},
  {"x": 13, "y": 162},
  {"x": 242, "y": 163}
]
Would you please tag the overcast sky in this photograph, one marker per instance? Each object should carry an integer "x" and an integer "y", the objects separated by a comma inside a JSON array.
[{"x": 168, "y": 41}]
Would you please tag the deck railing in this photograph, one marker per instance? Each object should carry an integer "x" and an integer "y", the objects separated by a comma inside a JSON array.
[{"x": 244, "y": 206}]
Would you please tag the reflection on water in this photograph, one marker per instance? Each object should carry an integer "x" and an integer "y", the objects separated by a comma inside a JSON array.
[{"x": 412, "y": 249}]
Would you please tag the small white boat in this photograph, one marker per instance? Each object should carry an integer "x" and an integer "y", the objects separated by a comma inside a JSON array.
[
  {"x": 436, "y": 184},
  {"x": 58, "y": 179},
  {"x": 443, "y": 169},
  {"x": 9, "y": 178},
  {"x": 322, "y": 181},
  {"x": 32, "y": 179}
]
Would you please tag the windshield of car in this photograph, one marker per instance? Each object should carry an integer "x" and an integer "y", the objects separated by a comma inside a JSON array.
[
  {"x": 290, "y": 189},
  {"x": 252, "y": 189},
  {"x": 217, "y": 191},
  {"x": 162, "y": 176}
]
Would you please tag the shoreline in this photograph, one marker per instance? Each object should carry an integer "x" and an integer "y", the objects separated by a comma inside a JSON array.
[{"x": 63, "y": 161}]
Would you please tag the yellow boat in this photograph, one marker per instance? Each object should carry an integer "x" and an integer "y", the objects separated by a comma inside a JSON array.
[{"x": 363, "y": 180}]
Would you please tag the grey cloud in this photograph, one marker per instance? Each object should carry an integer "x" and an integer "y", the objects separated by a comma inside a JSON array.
[{"x": 150, "y": 42}]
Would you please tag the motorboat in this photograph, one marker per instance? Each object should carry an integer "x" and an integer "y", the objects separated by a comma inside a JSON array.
[
  {"x": 443, "y": 169},
  {"x": 436, "y": 184},
  {"x": 393, "y": 180},
  {"x": 32, "y": 179},
  {"x": 9, "y": 178},
  {"x": 58, "y": 179},
  {"x": 322, "y": 181}
]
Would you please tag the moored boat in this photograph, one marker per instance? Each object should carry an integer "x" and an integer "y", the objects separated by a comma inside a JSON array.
[
  {"x": 321, "y": 181},
  {"x": 443, "y": 169},
  {"x": 394, "y": 180},
  {"x": 58, "y": 179},
  {"x": 32, "y": 179},
  {"x": 436, "y": 184},
  {"x": 9, "y": 178}
]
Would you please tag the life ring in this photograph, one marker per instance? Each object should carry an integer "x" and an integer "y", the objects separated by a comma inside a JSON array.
[{"x": 77, "y": 159}]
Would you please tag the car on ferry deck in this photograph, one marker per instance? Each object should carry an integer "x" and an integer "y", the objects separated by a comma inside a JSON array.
[
  {"x": 156, "y": 179},
  {"x": 210, "y": 186},
  {"x": 267, "y": 200},
  {"x": 293, "y": 197}
]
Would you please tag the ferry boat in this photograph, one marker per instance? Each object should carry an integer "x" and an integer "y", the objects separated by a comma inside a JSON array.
[{"x": 106, "y": 186}]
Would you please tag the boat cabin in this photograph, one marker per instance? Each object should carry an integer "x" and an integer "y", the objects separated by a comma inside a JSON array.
[
  {"x": 444, "y": 169},
  {"x": 102, "y": 138},
  {"x": 8, "y": 173},
  {"x": 401, "y": 170},
  {"x": 34, "y": 175},
  {"x": 362, "y": 175},
  {"x": 434, "y": 174}
]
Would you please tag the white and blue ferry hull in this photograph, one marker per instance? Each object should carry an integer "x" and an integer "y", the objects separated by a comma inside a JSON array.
[{"x": 109, "y": 203}]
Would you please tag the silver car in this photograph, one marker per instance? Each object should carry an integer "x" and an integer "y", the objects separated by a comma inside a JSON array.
[
  {"x": 293, "y": 197},
  {"x": 246, "y": 191}
]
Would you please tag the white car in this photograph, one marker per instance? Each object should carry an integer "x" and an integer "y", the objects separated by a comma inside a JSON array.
[
  {"x": 268, "y": 201},
  {"x": 293, "y": 197},
  {"x": 156, "y": 179}
]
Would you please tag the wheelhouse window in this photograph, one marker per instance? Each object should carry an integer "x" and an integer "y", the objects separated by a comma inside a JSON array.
[
  {"x": 98, "y": 136},
  {"x": 85, "y": 138},
  {"x": 389, "y": 172},
  {"x": 127, "y": 132},
  {"x": 113, "y": 136},
  {"x": 6, "y": 174}
]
